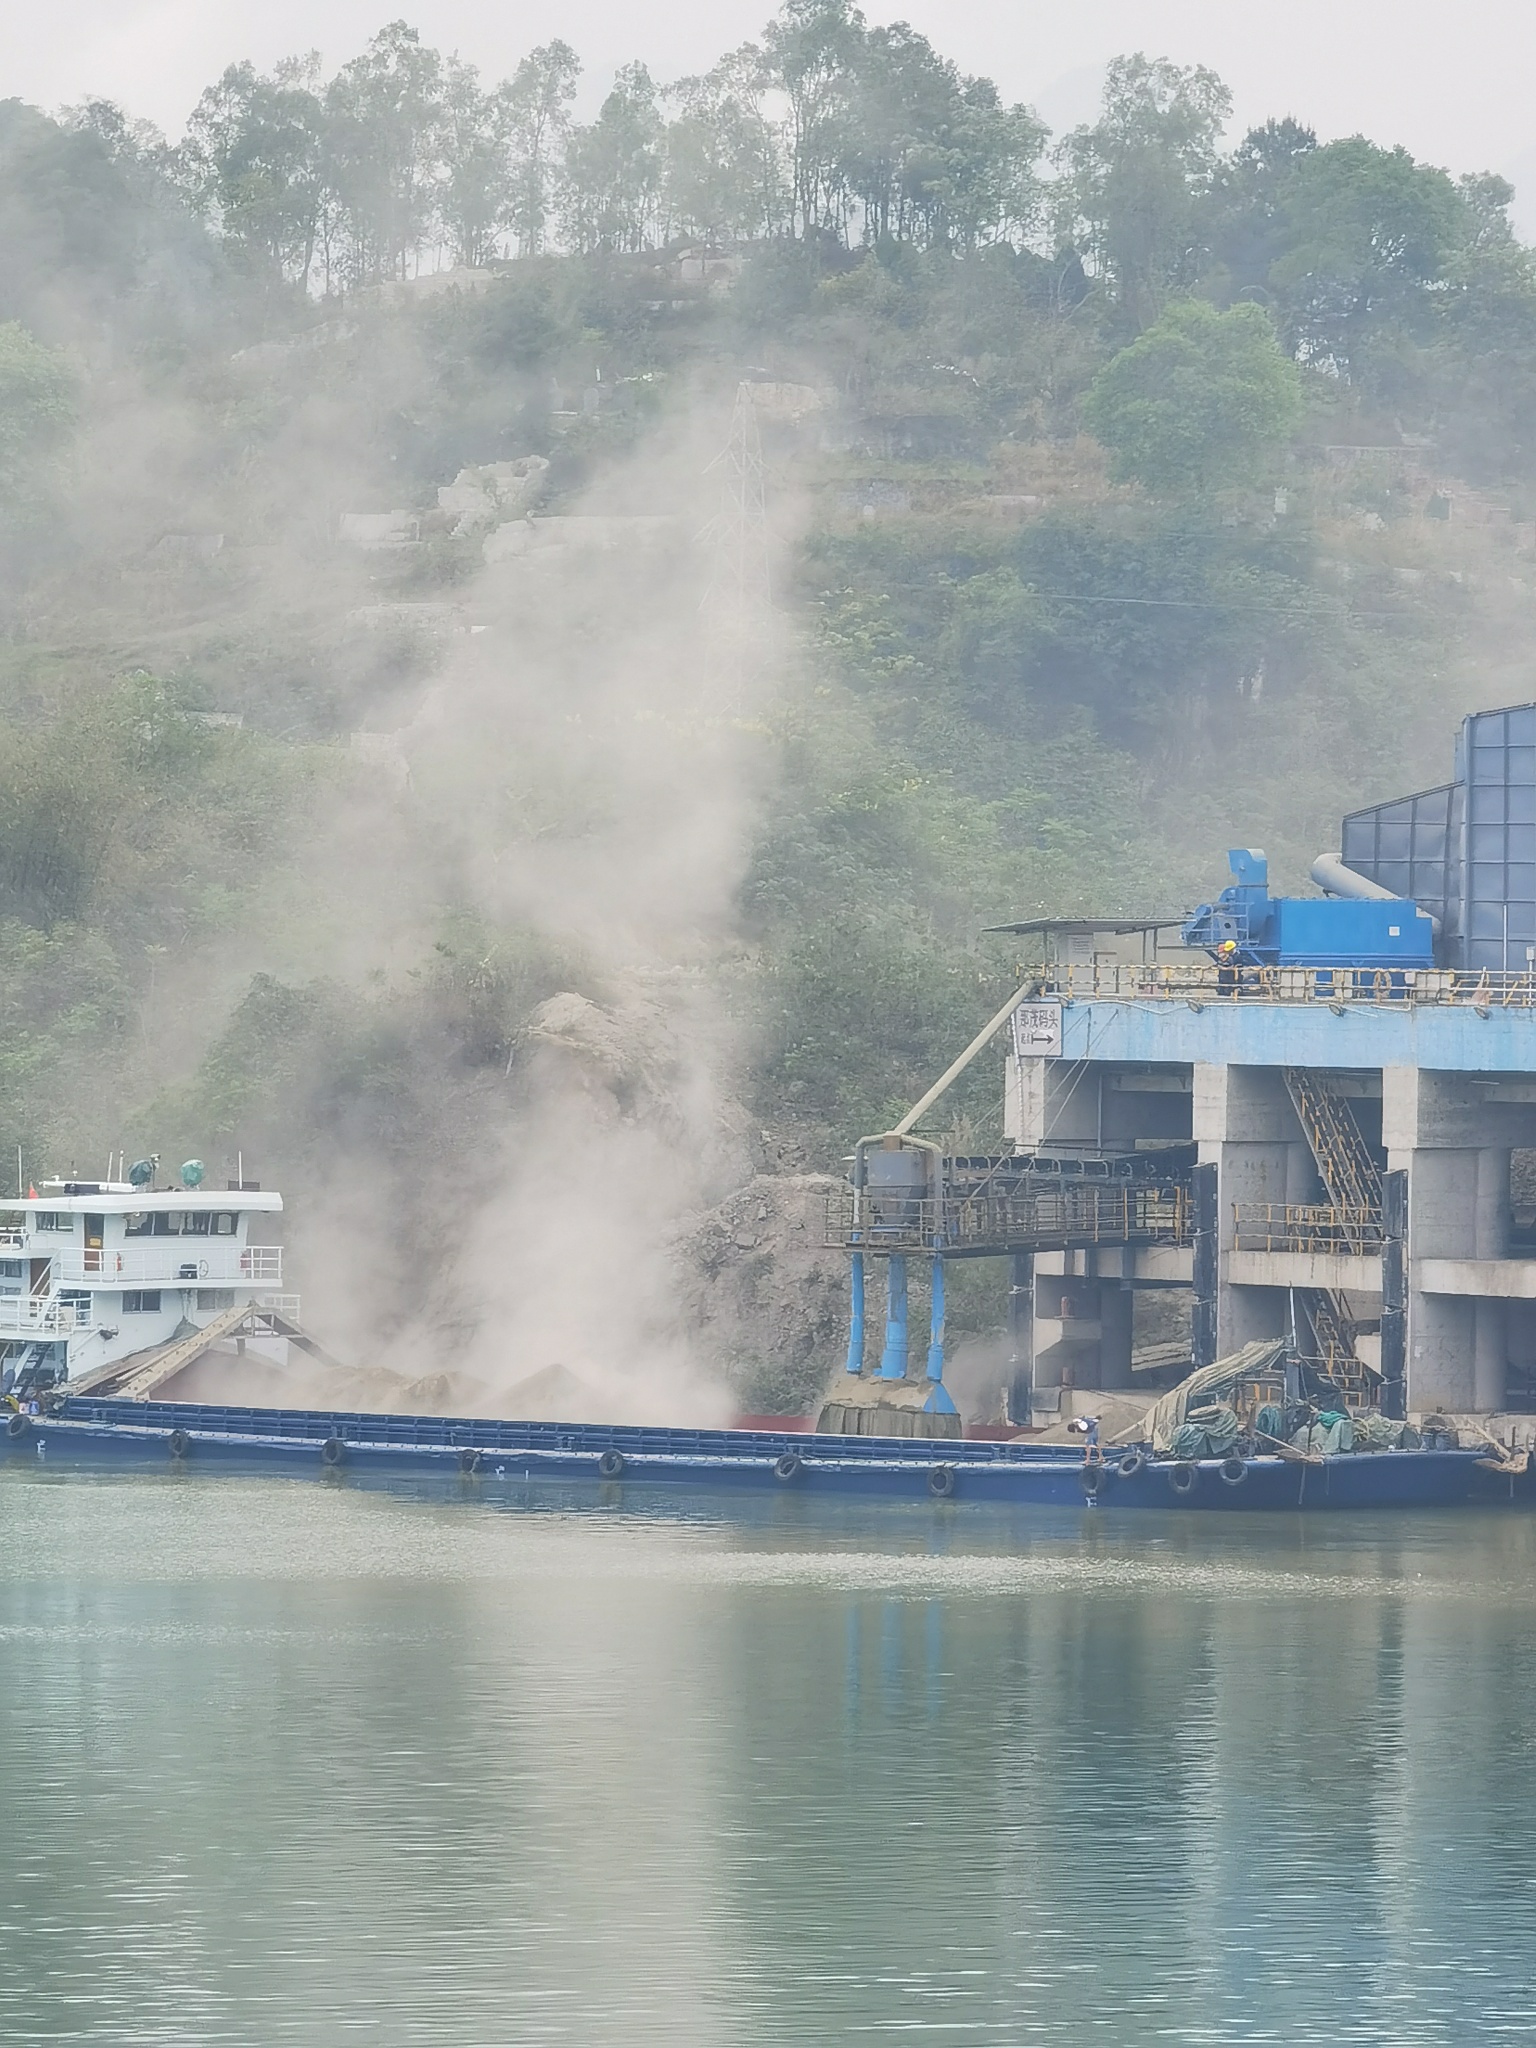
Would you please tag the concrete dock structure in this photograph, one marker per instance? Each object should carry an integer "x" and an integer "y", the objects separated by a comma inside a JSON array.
[
  {"x": 1309, "y": 1117},
  {"x": 1432, "y": 1079}
]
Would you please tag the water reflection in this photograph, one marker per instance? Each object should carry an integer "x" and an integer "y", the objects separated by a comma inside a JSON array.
[{"x": 287, "y": 1763}]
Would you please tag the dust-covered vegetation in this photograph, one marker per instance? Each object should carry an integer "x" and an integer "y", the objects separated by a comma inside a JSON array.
[{"x": 1135, "y": 494}]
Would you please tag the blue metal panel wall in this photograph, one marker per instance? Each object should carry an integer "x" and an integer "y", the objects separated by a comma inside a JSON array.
[
  {"x": 1413, "y": 847},
  {"x": 1499, "y": 756},
  {"x": 1466, "y": 851}
]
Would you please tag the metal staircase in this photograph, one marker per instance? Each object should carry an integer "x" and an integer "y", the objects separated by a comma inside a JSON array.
[
  {"x": 1333, "y": 1344},
  {"x": 1352, "y": 1178},
  {"x": 1344, "y": 1160}
]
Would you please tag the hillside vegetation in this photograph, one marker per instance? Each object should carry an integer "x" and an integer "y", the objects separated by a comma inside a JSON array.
[{"x": 1130, "y": 495}]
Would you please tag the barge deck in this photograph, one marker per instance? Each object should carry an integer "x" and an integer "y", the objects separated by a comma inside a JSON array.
[{"x": 480, "y": 1451}]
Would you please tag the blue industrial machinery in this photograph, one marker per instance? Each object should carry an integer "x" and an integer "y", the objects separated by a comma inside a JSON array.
[{"x": 1308, "y": 931}]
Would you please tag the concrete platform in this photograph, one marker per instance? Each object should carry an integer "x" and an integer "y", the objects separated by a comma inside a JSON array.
[
  {"x": 1484, "y": 1279},
  {"x": 1336, "y": 1271}
]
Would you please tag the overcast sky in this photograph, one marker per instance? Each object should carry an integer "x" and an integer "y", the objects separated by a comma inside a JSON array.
[{"x": 1452, "y": 82}]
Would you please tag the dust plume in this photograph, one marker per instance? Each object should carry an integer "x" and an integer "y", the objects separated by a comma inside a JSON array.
[{"x": 585, "y": 770}]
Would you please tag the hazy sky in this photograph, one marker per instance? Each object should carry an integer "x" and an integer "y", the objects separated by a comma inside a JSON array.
[{"x": 1454, "y": 83}]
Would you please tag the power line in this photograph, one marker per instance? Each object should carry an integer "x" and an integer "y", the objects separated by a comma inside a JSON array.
[{"x": 1211, "y": 604}]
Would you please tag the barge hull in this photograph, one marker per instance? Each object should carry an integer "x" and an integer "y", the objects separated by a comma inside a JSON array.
[{"x": 305, "y": 1442}]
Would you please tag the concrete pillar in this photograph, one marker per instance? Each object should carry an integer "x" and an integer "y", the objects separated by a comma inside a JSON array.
[
  {"x": 1489, "y": 1356},
  {"x": 1492, "y": 1222},
  {"x": 1115, "y": 1305},
  {"x": 1067, "y": 1105},
  {"x": 1053, "y": 1103},
  {"x": 1452, "y": 1134},
  {"x": 1050, "y": 1270},
  {"x": 1066, "y": 1321},
  {"x": 1245, "y": 1126},
  {"x": 1090, "y": 1344},
  {"x": 1442, "y": 1345}
]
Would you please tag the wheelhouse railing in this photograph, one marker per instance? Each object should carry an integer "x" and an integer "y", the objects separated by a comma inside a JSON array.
[
  {"x": 165, "y": 1262},
  {"x": 35, "y": 1315},
  {"x": 1306, "y": 1227}
]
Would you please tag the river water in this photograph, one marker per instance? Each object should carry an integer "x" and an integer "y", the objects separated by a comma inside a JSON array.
[{"x": 303, "y": 1763}]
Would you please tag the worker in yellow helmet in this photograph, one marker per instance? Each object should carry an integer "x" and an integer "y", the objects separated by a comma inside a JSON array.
[{"x": 1226, "y": 965}]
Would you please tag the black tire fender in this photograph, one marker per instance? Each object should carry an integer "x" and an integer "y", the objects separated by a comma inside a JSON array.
[
  {"x": 18, "y": 1426},
  {"x": 1183, "y": 1477},
  {"x": 332, "y": 1451},
  {"x": 1234, "y": 1470},
  {"x": 1093, "y": 1480},
  {"x": 469, "y": 1460},
  {"x": 941, "y": 1481},
  {"x": 611, "y": 1464},
  {"x": 178, "y": 1443},
  {"x": 788, "y": 1465},
  {"x": 1132, "y": 1465}
]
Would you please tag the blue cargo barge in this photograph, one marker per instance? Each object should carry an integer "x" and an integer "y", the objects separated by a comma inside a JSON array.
[{"x": 479, "y": 1451}]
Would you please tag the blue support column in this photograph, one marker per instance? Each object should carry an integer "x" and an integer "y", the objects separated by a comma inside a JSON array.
[
  {"x": 856, "y": 1314},
  {"x": 1021, "y": 1339},
  {"x": 936, "y": 1323},
  {"x": 938, "y": 1401},
  {"x": 893, "y": 1363}
]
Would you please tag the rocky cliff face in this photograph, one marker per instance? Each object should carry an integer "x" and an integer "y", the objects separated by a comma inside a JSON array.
[{"x": 765, "y": 1300}]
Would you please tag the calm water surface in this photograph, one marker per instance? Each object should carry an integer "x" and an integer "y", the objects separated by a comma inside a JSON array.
[{"x": 299, "y": 1763}]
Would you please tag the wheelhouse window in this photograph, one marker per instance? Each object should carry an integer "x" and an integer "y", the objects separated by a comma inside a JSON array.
[
  {"x": 56, "y": 1220},
  {"x": 178, "y": 1223},
  {"x": 10, "y": 1269},
  {"x": 143, "y": 1301},
  {"x": 80, "y": 1301}
]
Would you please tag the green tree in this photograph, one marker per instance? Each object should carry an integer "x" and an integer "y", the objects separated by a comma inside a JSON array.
[
  {"x": 1370, "y": 236},
  {"x": 477, "y": 191},
  {"x": 1479, "y": 372},
  {"x": 1248, "y": 220},
  {"x": 37, "y": 415},
  {"x": 614, "y": 169},
  {"x": 37, "y": 398},
  {"x": 986, "y": 187},
  {"x": 1197, "y": 401},
  {"x": 725, "y": 177},
  {"x": 387, "y": 135},
  {"x": 931, "y": 156},
  {"x": 538, "y": 102},
  {"x": 1135, "y": 184},
  {"x": 811, "y": 48},
  {"x": 255, "y": 160}
]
